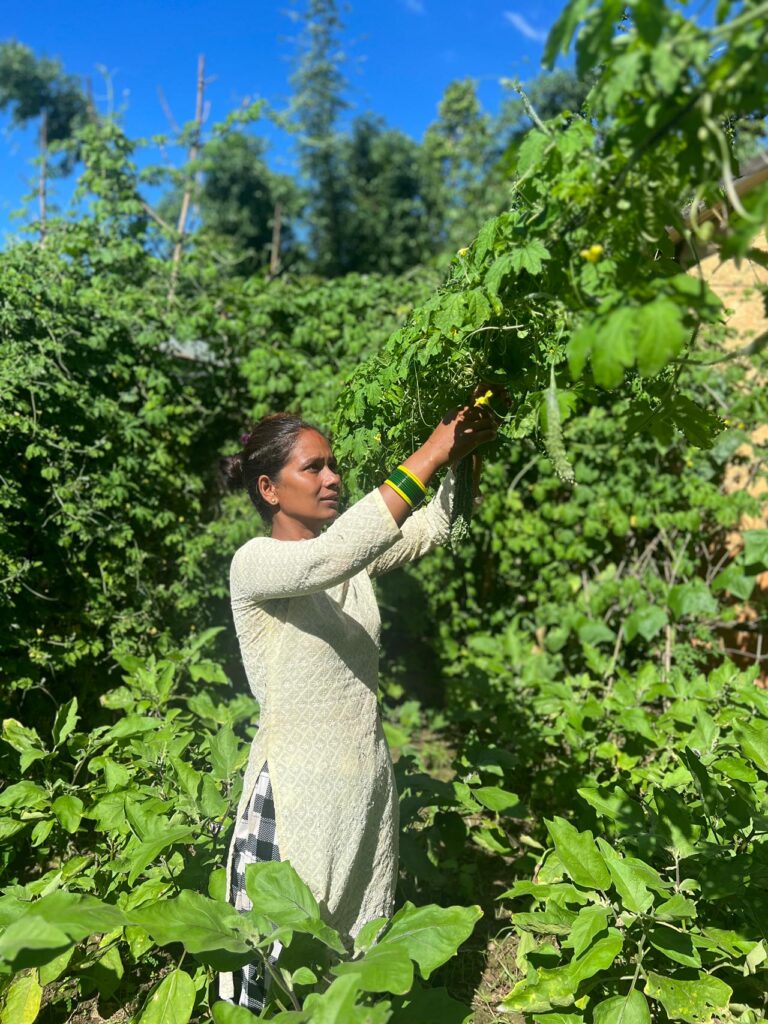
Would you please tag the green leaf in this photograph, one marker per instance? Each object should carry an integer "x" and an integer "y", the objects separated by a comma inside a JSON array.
[
  {"x": 277, "y": 893},
  {"x": 646, "y": 622},
  {"x": 25, "y": 741},
  {"x": 65, "y": 721},
  {"x": 675, "y": 821},
  {"x": 612, "y": 347},
  {"x": 694, "y": 1001},
  {"x": 24, "y": 794},
  {"x": 381, "y": 969},
  {"x": 629, "y": 1009},
  {"x": 500, "y": 270},
  {"x": 629, "y": 879},
  {"x": 616, "y": 805},
  {"x": 52, "y": 924},
  {"x": 735, "y": 582},
  {"x": 752, "y": 737},
  {"x": 478, "y": 309},
  {"x": 430, "y": 934},
  {"x": 144, "y": 853},
  {"x": 224, "y": 754},
  {"x": 590, "y": 922},
  {"x": 692, "y": 598},
  {"x": 171, "y": 1002},
  {"x": 501, "y": 801},
  {"x": 675, "y": 945},
  {"x": 756, "y": 548},
  {"x": 660, "y": 335},
  {"x": 69, "y": 811},
  {"x": 556, "y": 987},
  {"x": 228, "y": 1013},
  {"x": 578, "y": 853},
  {"x": 678, "y": 907},
  {"x": 530, "y": 256},
  {"x": 200, "y": 924},
  {"x": 22, "y": 1000}
]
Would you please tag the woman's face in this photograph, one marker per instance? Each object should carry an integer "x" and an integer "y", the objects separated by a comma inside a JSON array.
[{"x": 308, "y": 486}]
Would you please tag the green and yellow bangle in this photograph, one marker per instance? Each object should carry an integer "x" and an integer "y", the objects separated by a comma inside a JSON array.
[{"x": 407, "y": 485}]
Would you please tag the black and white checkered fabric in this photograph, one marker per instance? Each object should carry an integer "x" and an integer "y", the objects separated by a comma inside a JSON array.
[{"x": 255, "y": 840}]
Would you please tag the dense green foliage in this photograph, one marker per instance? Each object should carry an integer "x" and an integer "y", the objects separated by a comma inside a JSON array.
[{"x": 580, "y": 765}]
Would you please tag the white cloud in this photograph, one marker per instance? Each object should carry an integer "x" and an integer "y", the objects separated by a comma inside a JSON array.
[
  {"x": 524, "y": 27},
  {"x": 415, "y": 6}
]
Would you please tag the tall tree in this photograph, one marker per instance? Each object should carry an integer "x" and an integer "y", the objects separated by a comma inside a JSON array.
[
  {"x": 387, "y": 223},
  {"x": 457, "y": 148},
  {"x": 319, "y": 85},
  {"x": 237, "y": 203},
  {"x": 37, "y": 87}
]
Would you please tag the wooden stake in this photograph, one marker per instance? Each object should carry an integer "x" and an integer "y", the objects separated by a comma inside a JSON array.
[
  {"x": 274, "y": 252},
  {"x": 43, "y": 183},
  {"x": 194, "y": 150}
]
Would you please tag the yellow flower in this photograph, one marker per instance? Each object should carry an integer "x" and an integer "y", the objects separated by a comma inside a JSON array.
[
  {"x": 484, "y": 399},
  {"x": 463, "y": 252},
  {"x": 592, "y": 254},
  {"x": 633, "y": 520}
]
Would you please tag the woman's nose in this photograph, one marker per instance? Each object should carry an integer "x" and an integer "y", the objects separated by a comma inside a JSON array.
[{"x": 332, "y": 479}]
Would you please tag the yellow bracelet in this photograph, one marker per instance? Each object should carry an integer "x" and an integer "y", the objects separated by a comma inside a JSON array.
[
  {"x": 413, "y": 477},
  {"x": 402, "y": 494}
]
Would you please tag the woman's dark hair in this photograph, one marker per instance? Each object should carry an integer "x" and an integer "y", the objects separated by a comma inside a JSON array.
[{"x": 266, "y": 449}]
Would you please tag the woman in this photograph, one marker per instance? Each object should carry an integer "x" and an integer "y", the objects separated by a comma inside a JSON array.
[{"x": 319, "y": 787}]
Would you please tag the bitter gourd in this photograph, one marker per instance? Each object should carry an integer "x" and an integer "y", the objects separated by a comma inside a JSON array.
[
  {"x": 462, "y": 501},
  {"x": 553, "y": 439}
]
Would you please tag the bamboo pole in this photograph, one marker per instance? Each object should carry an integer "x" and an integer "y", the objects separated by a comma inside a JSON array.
[{"x": 194, "y": 150}]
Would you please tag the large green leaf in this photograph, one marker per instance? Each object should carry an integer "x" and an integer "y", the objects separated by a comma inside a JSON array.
[
  {"x": 556, "y": 987},
  {"x": 629, "y": 1009},
  {"x": 692, "y": 598},
  {"x": 660, "y": 335},
  {"x": 430, "y": 934},
  {"x": 382, "y": 969},
  {"x": 171, "y": 1002},
  {"x": 144, "y": 853},
  {"x": 52, "y": 924},
  {"x": 69, "y": 810},
  {"x": 645, "y": 622},
  {"x": 590, "y": 921},
  {"x": 694, "y": 1001},
  {"x": 578, "y": 853},
  {"x": 277, "y": 893},
  {"x": 756, "y": 548},
  {"x": 753, "y": 740},
  {"x": 200, "y": 924},
  {"x": 22, "y": 1000},
  {"x": 433, "y": 1006}
]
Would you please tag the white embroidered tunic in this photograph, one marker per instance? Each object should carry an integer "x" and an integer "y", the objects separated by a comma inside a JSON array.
[{"x": 308, "y": 625}]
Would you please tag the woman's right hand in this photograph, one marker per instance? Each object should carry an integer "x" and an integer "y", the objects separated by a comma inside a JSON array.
[{"x": 460, "y": 431}]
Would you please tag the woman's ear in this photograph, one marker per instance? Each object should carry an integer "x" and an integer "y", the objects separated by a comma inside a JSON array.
[{"x": 267, "y": 489}]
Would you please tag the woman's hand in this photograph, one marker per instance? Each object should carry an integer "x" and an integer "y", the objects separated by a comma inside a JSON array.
[{"x": 462, "y": 429}]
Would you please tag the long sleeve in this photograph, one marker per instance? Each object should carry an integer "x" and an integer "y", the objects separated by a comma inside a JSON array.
[
  {"x": 263, "y": 568},
  {"x": 427, "y": 527}
]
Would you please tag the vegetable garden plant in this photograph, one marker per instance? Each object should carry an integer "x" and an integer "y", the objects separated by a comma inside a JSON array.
[{"x": 618, "y": 771}]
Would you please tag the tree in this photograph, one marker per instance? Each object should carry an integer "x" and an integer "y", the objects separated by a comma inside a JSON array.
[
  {"x": 387, "y": 223},
  {"x": 457, "y": 148},
  {"x": 317, "y": 103},
  {"x": 37, "y": 87},
  {"x": 238, "y": 200}
]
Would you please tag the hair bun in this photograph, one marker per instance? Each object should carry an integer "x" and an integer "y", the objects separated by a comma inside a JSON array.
[{"x": 232, "y": 471}]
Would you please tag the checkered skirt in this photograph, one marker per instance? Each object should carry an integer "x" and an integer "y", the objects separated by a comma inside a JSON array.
[{"x": 255, "y": 840}]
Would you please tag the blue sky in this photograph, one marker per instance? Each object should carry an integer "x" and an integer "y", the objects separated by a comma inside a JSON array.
[{"x": 401, "y": 55}]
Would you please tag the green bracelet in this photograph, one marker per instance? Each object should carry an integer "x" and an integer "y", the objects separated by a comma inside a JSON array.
[{"x": 406, "y": 485}]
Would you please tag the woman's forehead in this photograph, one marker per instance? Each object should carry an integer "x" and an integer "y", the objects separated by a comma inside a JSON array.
[{"x": 309, "y": 444}]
